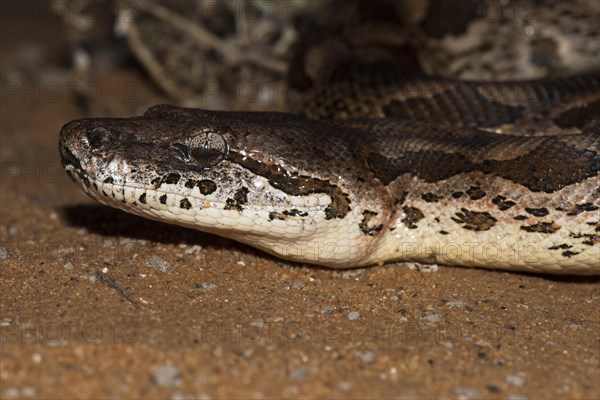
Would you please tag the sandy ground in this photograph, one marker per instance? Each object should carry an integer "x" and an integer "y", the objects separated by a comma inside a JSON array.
[{"x": 97, "y": 303}]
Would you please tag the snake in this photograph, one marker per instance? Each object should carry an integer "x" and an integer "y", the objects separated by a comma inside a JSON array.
[{"x": 380, "y": 168}]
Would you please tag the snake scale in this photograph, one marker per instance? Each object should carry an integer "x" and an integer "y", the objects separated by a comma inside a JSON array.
[{"x": 502, "y": 175}]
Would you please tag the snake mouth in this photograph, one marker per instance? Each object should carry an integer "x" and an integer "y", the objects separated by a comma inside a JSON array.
[
  {"x": 68, "y": 159},
  {"x": 71, "y": 163},
  {"x": 67, "y": 138},
  {"x": 73, "y": 167}
]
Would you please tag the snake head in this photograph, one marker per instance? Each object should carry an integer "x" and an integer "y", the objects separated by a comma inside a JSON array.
[{"x": 260, "y": 178}]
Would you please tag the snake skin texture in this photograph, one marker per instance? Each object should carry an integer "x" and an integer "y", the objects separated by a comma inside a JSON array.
[{"x": 387, "y": 164}]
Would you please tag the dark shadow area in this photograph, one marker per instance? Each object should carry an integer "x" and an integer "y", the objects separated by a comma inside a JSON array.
[
  {"x": 107, "y": 221},
  {"x": 569, "y": 278},
  {"x": 554, "y": 278}
]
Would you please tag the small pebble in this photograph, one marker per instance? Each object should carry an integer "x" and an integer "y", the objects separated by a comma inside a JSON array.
[
  {"x": 433, "y": 318},
  {"x": 297, "y": 285},
  {"x": 159, "y": 264},
  {"x": 576, "y": 327},
  {"x": 467, "y": 392},
  {"x": 353, "y": 273},
  {"x": 429, "y": 268},
  {"x": 327, "y": 309},
  {"x": 455, "y": 303},
  {"x": 516, "y": 380},
  {"x": 353, "y": 315},
  {"x": 193, "y": 249},
  {"x": 91, "y": 278},
  {"x": 366, "y": 356},
  {"x": 4, "y": 255},
  {"x": 259, "y": 323},
  {"x": 126, "y": 242},
  {"x": 541, "y": 308},
  {"x": 299, "y": 373},
  {"x": 166, "y": 375},
  {"x": 206, "y": 286}
]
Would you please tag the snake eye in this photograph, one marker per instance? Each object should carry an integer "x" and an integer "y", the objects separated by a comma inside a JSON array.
[{"x": 208, "y": 149}]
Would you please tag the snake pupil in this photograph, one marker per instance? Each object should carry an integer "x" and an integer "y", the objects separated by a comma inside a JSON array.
[{"x": 208, "y": 149}]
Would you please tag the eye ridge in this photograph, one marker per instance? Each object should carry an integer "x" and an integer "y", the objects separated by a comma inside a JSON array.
[
  {"x": 182, "y": 150},
  {"x": 208, "y": 148}
]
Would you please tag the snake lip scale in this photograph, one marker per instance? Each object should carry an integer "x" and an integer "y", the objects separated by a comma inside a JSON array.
[{"x": 348, "y": 193}]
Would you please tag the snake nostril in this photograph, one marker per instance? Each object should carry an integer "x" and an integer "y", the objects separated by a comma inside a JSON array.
[{"x": 96, "y": 138}]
